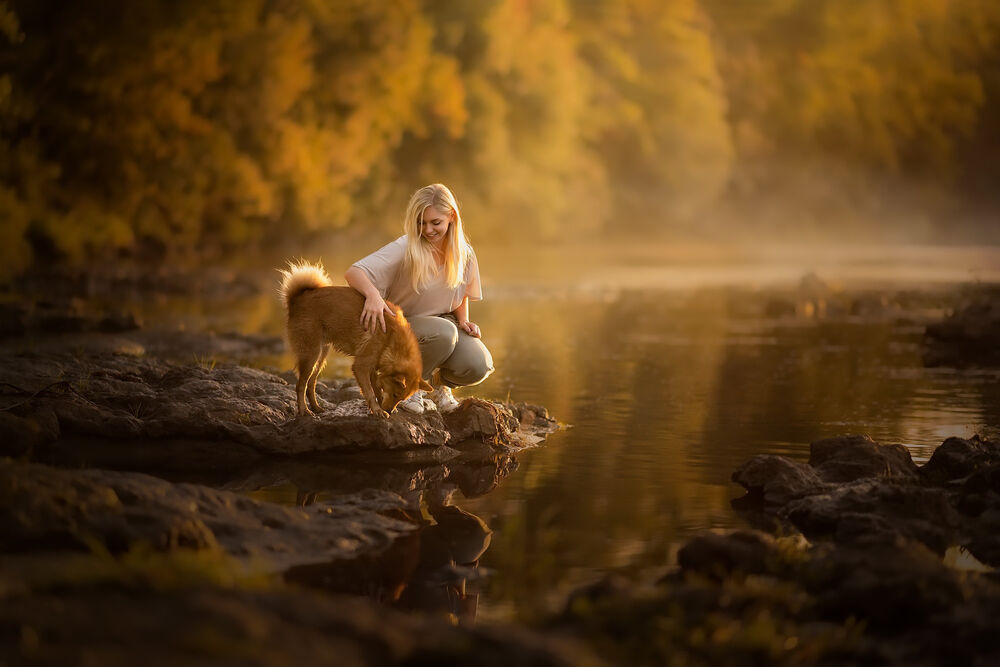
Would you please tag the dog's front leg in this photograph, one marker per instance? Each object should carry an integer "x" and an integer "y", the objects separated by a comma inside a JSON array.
[{"x": 364, "y": 370}]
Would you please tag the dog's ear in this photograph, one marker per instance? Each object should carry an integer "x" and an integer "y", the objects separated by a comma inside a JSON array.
[{"x": 425, "y": 385}]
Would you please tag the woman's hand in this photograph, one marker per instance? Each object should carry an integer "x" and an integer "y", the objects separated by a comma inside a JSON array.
[
  {"x": 470, "y": 328},
  {"x": 373, "y": 314}
]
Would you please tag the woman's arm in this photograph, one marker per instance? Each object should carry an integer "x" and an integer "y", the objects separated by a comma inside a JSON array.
[
  {"x": 462, "y": 315},
  {"x": 375, "y": 307}
]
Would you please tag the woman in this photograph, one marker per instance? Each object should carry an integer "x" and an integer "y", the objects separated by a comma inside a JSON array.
[{"x": 431, "y": 272}]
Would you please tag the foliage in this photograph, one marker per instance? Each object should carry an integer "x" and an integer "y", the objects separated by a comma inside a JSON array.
[{"x": 182, "y": 126}]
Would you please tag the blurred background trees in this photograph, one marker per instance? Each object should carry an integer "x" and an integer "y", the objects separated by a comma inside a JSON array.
[{"x": 175, "y": 127}]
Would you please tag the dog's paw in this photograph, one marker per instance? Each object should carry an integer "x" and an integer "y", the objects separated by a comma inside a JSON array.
[{"x": 379, "y": 412}]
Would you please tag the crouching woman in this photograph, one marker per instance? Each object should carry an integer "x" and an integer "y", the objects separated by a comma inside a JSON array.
[{"x": 432, "y": 273}]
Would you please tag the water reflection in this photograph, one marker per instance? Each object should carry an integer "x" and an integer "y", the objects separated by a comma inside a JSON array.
[
  {"x": 434, "y": 569},
  {"x": 668, "y": 392}
]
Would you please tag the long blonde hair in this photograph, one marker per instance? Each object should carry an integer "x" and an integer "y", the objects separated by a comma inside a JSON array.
[{"x": 419, "y": 261}]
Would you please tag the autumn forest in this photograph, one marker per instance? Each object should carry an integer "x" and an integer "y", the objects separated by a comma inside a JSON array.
[{"x": 166, "y": 127}]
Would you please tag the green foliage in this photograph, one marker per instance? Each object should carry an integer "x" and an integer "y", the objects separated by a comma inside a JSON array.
[{"x": 194, "y": 126}]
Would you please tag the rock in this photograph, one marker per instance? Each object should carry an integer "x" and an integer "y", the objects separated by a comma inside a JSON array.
[
  {"x": 846, "y": 459},
  {"x": 721, "y": 555},
  {"x": 855, "y": 489},
  {"x": 482, "y": 420},
  {"x": 893, "y": 585},
  {"x": 745, "y": 598},
  {"x": 43, "y": 509},
  {"x": 877, "y": 507},
  {"x": 142, "y": 413},
  {"x": 131, "y": 623},
  {"x": 957, "y": 458},
  {"x": 777, "y": 480}
]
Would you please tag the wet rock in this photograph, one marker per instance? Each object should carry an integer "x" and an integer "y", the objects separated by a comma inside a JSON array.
[
  {"x": 44, "y": 510},
  {"x": 137, "y": 412},
  {"x": 776, "y": 480},
  {"x": 869, "y": 587},
  {"x": 746, "y": 598},
  {"x": 846, "y": 459},
  {"x": 876, "y": 507},
  {"x": 488, "y": 422},
  {"x": 874, "y": 491},
  {"x": 958, "y": 457}
]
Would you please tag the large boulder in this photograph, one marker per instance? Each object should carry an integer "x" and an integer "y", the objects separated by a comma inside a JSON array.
[
  {"x": 47, "y": 510},
  {"x": 118, "y": 410}
]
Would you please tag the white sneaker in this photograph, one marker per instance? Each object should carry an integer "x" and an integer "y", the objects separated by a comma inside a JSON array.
[
  {"x": 414, "y": 403},
  {"x": 443, "y": 399}
]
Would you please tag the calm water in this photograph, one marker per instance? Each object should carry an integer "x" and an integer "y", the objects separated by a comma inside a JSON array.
[{"x": 669, "y": 377}]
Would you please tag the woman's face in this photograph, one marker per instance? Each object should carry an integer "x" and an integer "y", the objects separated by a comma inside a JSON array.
[{"x": 435, "y": 225}]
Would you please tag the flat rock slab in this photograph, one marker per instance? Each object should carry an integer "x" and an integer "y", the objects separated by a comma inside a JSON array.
[
  {"x": 46, "y": 510},
  {"x": 137, "y": 412}
]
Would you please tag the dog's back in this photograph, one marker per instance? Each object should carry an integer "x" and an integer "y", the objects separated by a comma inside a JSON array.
[
  {"x": 319, "y": 312},
  {"x": 329, "y": 314}
]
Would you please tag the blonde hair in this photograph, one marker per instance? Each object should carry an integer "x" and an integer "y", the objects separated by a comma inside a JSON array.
[{"x": 419, "y": 261}]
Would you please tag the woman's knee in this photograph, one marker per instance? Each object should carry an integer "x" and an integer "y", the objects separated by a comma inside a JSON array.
[
  {"x": 435, "y": 333},
  {"x": 437, "y": 338},
  {"x": 472, "y": 368}
]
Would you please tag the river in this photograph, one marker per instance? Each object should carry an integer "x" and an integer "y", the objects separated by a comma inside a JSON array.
[{"x": 669, "y": 367}]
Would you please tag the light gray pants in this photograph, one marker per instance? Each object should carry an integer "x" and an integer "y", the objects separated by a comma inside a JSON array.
[{"x": 463, "y": 359}]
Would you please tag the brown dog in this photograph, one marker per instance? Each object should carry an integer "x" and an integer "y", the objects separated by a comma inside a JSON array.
[{"x": 387, "y": 364}]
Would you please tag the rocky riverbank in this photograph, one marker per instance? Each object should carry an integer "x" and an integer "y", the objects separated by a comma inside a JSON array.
[
  {"x": 142, "y": 413},
  {"x": 204, "y": 575},
  {"x": 862, "y": 557}
]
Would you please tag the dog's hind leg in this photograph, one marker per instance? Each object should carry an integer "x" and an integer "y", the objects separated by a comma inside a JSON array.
[
  {"x": 305, "y": 365},
  {"x": 311, "y": 385}
]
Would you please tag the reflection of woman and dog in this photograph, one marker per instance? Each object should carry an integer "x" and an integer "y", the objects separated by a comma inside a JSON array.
[
  {"x": 428, "y": 570},
  {"x": 406, "y": 320}
]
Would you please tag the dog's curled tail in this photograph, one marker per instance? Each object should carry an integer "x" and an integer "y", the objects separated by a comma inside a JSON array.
[{"x": 299, "y": 277}]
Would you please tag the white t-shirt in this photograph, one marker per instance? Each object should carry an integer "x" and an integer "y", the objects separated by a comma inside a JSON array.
[{"x": 385, "y": 269}]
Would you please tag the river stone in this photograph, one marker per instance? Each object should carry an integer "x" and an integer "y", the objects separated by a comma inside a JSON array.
[
  {"x": 873, "y": 506},
  {"x": 956, "y": 458},
  {"x": 777, "y": 480},
  {"x": 848, "y": 458}
]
